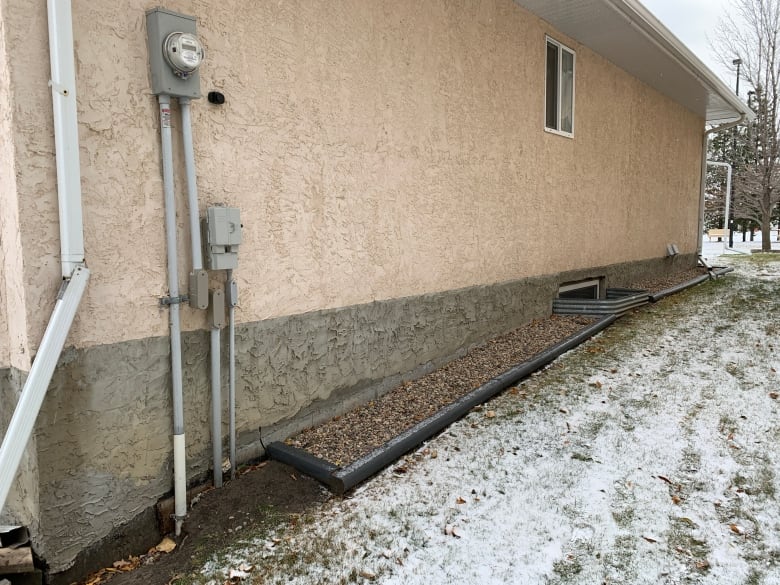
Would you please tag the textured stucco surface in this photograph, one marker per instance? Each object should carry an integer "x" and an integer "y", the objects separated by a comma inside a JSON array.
[
  {"x": 103, "y": 435},
  {"x": 400, "y": 201},
  {"x": 13, "y": 324},
  {"x": 376, "y": 151}
]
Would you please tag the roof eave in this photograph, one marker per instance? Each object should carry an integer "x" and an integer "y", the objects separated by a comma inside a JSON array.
[{"x": 627, "y": 34}]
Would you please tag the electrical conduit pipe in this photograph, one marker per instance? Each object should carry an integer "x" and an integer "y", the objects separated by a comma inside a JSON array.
[
  {"x": 232, "y": 301},
  {"x": 197, "y": 265},
  {"x": 179, "y": 451}
]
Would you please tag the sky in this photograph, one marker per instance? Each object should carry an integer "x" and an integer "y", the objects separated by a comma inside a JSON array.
[{"x": 694, "y": 22}]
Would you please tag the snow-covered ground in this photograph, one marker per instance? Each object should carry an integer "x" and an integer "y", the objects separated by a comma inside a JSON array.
[
  {"x": 714, "y": 249},
  {"x": 647, "y": 455}
]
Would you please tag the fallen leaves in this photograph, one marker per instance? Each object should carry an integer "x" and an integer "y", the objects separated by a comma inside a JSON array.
[
  {"x": 452, "y": 530},
  {"x": 240, "y": 573},
  {"x": 650, "y": 539},
  {"x": 166, "y": 545},
  {"x": 774, "y": 395}
]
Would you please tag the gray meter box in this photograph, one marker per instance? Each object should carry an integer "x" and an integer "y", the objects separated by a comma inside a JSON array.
[
  {"x": 223, "y": 237},
  {"x": 159, "y": 24}
]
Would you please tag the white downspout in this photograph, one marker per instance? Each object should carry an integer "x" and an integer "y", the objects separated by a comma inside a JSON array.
[
  {"x": 26, "y": 412},
  {"x": 726, "y": 213},
  {"x": 66, "y": 134},
  {"x": 74, "y": 272},
  {"x": 705, "y": 145}
]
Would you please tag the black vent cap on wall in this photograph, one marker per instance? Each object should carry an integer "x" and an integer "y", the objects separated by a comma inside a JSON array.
[{"x": 216, "y": 97}]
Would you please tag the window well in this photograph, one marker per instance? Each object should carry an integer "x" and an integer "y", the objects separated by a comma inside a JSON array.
[{"x": 586, "y": 289}]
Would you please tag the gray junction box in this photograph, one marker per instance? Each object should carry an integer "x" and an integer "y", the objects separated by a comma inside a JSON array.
[
  {"x": 223, "y": 237},
  {"x": 159, "y": 24}
]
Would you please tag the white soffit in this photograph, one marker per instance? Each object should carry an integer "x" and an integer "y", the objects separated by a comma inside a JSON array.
[{"x": 628, "y": 35}]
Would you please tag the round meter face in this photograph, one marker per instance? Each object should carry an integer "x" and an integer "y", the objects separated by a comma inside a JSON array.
[{"x": 183, "y": 52}]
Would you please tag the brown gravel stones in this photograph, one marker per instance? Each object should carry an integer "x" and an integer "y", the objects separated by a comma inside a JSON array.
[{"x": 348, "y": 437}]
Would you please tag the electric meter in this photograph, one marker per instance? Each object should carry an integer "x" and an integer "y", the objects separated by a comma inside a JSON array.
[{"x": 184, "y": 53}]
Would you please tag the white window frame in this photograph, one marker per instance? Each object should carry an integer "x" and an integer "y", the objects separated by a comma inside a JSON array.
[{"x": 561, "y": 47}]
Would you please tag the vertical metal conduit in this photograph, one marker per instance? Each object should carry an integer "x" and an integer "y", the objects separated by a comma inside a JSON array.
[
  {"x": 179, "y": 451},
  {"x": 232, "y": 370}
]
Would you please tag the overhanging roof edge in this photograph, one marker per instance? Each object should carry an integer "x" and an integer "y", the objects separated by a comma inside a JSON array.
[{"x": 667, "y": 41}]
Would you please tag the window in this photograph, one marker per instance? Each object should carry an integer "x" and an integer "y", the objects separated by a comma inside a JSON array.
[
  {"x": 559, "y": 89},
  {"x": 587, "y": 289}
]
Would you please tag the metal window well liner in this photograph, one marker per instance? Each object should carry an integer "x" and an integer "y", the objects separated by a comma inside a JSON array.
[
  {"x": 341, "y": 479},
  {"x": 618, "y": 302}
]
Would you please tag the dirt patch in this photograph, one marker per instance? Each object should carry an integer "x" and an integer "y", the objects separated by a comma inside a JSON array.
[{"x": 263, "y": 497}]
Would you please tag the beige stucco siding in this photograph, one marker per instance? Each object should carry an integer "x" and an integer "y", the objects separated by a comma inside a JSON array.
[
  {"x": 13, "y": 322},
  {"x": 376, "y": 150}
]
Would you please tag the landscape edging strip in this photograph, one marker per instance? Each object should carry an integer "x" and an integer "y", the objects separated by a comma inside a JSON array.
[
  {"x": 304, "y": 462},
  {"x": 677, "y": 288},
  {"x": 343, "y": 479},
  {"x": 382, "y": 456}
]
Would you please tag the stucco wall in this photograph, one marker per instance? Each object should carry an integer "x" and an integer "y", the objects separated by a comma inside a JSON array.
[
  {"x": 389, "y": 161},
  {"x": 13, "y": 325},
  {"x": 104, "y": 433},
  {"x": 22, "y": 504},
  {"x": 376, "y": 150}
]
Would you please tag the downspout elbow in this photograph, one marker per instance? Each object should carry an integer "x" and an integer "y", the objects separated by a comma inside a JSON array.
[{"x": 705, "y": 144}]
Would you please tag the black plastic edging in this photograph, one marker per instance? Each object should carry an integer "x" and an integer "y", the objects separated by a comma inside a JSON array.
[
  {"x": 304, "y": 462},
  {"x": 677, "y": 288},
  {"x": 343, "y": 479},
  {"x": 721, "y": 270},
  {"x": 382, "y": 456}
]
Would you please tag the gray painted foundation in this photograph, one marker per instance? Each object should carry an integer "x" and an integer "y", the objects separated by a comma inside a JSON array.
[
  {"x": 22, "y": 505},
  {"x": 102, "y": 440}
]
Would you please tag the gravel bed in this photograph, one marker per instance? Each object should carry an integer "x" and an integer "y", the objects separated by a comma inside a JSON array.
[
  {"x": 655, "y": 285},
  {"x": 346, "y": 438}
]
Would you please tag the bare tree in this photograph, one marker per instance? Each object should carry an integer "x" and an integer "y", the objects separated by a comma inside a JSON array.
[{"x": 753, "y": 37}]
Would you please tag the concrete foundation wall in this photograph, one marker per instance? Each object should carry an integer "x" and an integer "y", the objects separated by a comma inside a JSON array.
[
  {"x": 104, "y": 434},
  {"x": 22, "y": 506}
]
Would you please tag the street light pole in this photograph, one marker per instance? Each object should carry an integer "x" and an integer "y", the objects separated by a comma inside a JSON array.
[{"x": 729, "y": 222}]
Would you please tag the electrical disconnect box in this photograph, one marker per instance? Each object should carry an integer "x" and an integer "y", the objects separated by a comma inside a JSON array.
[
  {"x": 223, "y": 237},
  {"x": 175, "y": 53}
]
